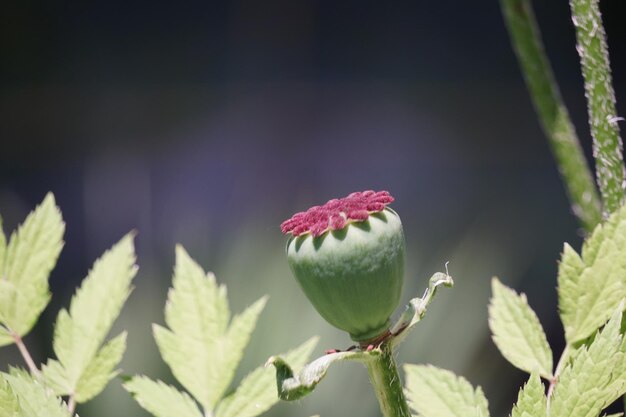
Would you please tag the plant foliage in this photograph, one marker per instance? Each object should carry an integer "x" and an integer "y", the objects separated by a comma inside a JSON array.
[
  {"x": 593, "y": 284},
  {"x": 25, "y": 264},
  {"x": 517, "y": 331},
  {"x": 203, "y": 348},
  {"x": 85, "y": 362},
  {"x": 434, "y": 392},
  {"x": 531, "y": 401},
  {"x": 592, "y": 371},
  {"x": 202, "y": 344},
  {"x": 23, "y": 396},
  {"x": 84, "y": 366},
  {"x": 594, "y": 377}
]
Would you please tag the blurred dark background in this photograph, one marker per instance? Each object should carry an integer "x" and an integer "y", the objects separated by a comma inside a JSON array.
[{"x": 208, "y": 123}]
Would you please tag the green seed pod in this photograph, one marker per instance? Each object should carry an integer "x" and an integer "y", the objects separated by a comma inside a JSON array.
[{"x": 352, "y": 272}]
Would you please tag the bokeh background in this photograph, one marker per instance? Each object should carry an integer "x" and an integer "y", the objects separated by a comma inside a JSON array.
[{"x": 207, "y": 123}]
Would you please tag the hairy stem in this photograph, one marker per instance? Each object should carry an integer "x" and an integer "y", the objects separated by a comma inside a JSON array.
[
  {"x": 553, "y": 114},
  {"x": 594, "y": 59},
  {"x": 383, "y": 373},
  {"x": 26, "y": 355}
]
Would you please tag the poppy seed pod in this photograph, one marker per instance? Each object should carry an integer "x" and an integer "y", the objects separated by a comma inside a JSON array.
[{"x": 348, "y": 257}]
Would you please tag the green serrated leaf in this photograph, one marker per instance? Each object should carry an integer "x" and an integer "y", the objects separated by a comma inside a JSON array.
[
  {"x": 5, "y": 336},
  {"x": 9, "y": 405},
  {"x": 594, "y": 377},
  {"x": 531, "y": 401},
  {"x": 3, "y": 246},
  {"x": 434, "y": 392},
  {"x": 257, "y": 392},
  {"x": 236, "y": 339},
  {"x": 54, "y": 377},
  {"x": 592, "y": 286},
  {"x": 197, "y": 314},
  {"x": 33, "y": 397},
  {"x": 101, "y": 369},
  {"x": 160, "y": 399},
  {"x": 517, "y": 331},
  {"x": 79, "y": 333},
  {"x": 26, "y": 263}
]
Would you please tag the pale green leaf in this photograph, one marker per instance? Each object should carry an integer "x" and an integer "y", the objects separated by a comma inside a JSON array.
[
  {"x": 161, "y": 400},
  {"x": 55, "y": 378},
  {"x": 102, "y": 369},
  {"x": 9, "y": 405},
  {"x": 571, "y": 269},
  {"x": 200, "y": 348},
  {"x": 531, "y": 401},
  {"x": 594, "y": 376},
  {"x": 416, "y": 309},
  {"x": 293, "y": 386},
  {"x": 79, "y": 333},
  {"x": 517, "y": 331},
  {"x": 3, "y": 246},
  {"x": 434, "y": 392},
  {"x": 235, "y": 341},
  {"x": 33, "y": 398},
  {"x": 257, "y": 392},
  {"x": 27, "y": 261},
  {"x": 592, "y": 286},
  {"x": 8, "y": 292},
  {"x": 5, "y": 336}
]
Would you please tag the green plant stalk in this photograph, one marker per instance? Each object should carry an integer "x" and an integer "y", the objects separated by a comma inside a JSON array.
[
  {"x": 71, "y": 404},
  {"x": 553, "y": 114},
  {"x": 594, "y": 60},
  {"x": 383, "y": 373},
  {"x": 565, "y": 355},
  {"x": 26, "y": 355}
]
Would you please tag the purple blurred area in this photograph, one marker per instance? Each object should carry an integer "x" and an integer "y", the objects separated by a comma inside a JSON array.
[{"x": 208, "y": 123}]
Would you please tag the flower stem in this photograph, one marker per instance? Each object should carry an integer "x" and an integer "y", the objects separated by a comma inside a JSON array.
[
  {"x": 557, "y": 372},
  {"x": 553, "y": 114},
  {"x": 26, "y": 355},
  {"x": 71, "y": 404},
  {"x": 594, "y": 60},
  {"x": 383, "y": 373}
]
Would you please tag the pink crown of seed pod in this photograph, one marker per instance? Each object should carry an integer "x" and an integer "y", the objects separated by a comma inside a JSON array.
[{"x": 336, "y": 213}]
